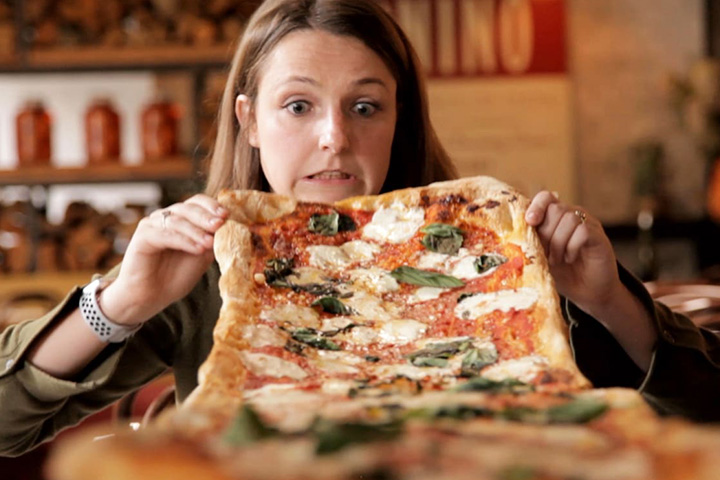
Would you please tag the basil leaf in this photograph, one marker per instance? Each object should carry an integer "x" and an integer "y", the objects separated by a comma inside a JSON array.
[
  {"x": 324, "y": 289},
  {"x": 313, "y": 338},
  {"x": 247, "y": 427},
  {"x": 276, "y": 271},
  {"x": 524, "y": 414},
  {"x": 429, "y": 362},
  {"x": 398, "y": 385},
  {"x": 425, "y": 278},
  {"x": 459, "y": 412},
  {"x": 330, "y": 224},
  {"x": 442, "y": 238},
  {"x": 437, "y": 354},
  {"x": 441, "y": 230},
  {"x": 465, "y": 295},
  {"x": 333, "y": 305},
  {"x": 332, "y": 437},
  {"x": 482, "y": 384},
  {"x": 487, "y": 261},
  {"x": 577, "y": 411},
  {"x": 518, "y": 473},
  {"x": 476, "y": 359}
]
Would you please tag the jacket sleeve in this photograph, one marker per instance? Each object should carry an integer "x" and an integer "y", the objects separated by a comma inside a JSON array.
[
  {"x": 684, "y": 374},
  {"x": 34, "y": 405}
]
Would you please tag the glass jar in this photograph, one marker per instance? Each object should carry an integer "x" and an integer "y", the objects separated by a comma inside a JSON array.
[
  {"x": 102, "y": 132},
  {"x": 159, "y": 122},
  {"x": 33, "y": 126}
]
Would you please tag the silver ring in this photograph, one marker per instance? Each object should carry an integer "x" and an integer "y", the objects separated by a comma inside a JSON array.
[
  {"x": 165, "y": 215},
  {"x": 581, "y": 215}
]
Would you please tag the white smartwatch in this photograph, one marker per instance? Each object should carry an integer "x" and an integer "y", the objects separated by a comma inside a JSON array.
[{"x": 105, "y": 330}]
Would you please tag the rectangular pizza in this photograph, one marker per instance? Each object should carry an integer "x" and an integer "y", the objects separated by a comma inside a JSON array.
[
  {"x": 415, "y": 334},
  {"x": 412, "y": 297}
]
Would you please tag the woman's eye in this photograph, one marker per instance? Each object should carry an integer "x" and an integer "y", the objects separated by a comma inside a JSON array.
[
  {"x": 364, "y": 108},
  {"x": 298, "y": 108}
]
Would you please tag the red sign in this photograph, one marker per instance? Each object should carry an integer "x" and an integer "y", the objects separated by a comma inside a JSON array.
[{"x": 485, "y": 37}]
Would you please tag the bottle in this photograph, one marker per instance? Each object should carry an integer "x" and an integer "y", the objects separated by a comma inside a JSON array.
[
  {"x": 158, "y": 126},
  {"x": 33, "y": 127},
  {"x": 102, "y": 132}
]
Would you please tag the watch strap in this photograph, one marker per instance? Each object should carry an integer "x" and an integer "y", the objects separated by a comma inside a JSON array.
[{"x": 103, "y": 327}]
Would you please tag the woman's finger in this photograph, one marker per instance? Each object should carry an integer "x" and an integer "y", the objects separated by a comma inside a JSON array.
[
  {"x": 152, "y": 234},
  {"x": 552, "y": 217},
  {"x": 168, "y": 222},
  {"x": 537, "y": 209},
  {"x": 195, "y": 213},
  {"x": 208, "y": 203},
  {"x": 566, "y": 228}
]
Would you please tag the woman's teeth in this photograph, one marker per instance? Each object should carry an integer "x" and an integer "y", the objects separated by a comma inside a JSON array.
[{"x": 330, "y": 175}]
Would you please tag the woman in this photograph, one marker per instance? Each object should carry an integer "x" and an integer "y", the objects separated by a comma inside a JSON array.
[{"x": 324, "y": 100}]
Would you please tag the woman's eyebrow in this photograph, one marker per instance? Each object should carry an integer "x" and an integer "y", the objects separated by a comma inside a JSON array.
[
  {"x": 371, "y": 80},
  {"x": 312, "y": 81},
  {"x": 302, "y": 79}
]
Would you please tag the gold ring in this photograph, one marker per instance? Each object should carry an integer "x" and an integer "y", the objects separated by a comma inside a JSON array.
[
  {"x": 581, "y": 215},
  {"x": 165, "y": 215}
]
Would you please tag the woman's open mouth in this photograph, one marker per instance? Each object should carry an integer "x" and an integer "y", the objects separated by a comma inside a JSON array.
[{"x": 331, "y": 176}]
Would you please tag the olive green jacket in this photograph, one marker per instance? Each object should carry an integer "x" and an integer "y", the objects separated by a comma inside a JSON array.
[{"x": 684, "y": 377}]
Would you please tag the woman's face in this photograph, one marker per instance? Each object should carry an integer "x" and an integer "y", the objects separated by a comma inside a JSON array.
[{"x": 324, "y": 117}]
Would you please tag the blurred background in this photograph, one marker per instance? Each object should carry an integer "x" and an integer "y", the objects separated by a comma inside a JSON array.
[{"x": 107, "y": 111}]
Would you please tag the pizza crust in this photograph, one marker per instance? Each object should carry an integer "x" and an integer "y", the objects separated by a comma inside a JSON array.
[{"x": 501, "y": 208}]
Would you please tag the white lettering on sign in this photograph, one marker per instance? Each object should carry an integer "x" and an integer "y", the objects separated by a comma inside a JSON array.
[
  {"x": 495, "y": 36},
  {"x": 478, "y": 36},
  {"x": 414, "y": 17},
  {"x": 516, "y": 35}
]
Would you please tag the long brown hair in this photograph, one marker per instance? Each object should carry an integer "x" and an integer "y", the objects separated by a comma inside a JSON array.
[{"x": 417, "y": 157}]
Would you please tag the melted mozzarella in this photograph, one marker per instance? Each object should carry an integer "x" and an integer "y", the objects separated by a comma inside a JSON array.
[
  {"x": 262, "y": 364},
  {"x": 504, "y": 300},
  {"x": 401, "y": 332},
  {"x": 333, "y": 386},
  {"x": 307, "y": 276},
  {"x": 371, "y": 307},
  {"x": 270, "y": 389},
  {"x": 396, "y": 224},
  {"x": 296, "y": 315},
  {"x": 359, "y": 251},
  {"x": 464, "y": 267},
  {"x": 524, "y": 369},
  {"x": 424, "y": 294},
  {"x": 433, "y": 261},
  {"x": 336, "y": 362},
  {"x": 335, "y": 323},
  {"x": 363, "y": 335},
  {"x": 410, "y": 371},
  {"x": 261, "y": 336},
  {"x": 461, "y": 265},
  {"x": 373, "y": 279},
  {"x": 328, "y": 257},
  {"x": 338, "y": 258}
]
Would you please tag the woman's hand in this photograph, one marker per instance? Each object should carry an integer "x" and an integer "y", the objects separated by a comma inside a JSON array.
[
  {"x": 168, "y": 253},
  {"x": 580, "y": 255},
  {"x": 583, "y": 264}
]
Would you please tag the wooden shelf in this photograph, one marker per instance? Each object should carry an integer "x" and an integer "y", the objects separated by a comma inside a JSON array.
[
  {"x": 8, "y": 62},
  {"x": 180, "y": 168},
  {"x": 97, "y": 58},
  {"x": 56, "y": 284}
]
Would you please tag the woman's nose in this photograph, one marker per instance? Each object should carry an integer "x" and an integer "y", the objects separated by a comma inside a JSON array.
[{"x": 334, "y": 136}]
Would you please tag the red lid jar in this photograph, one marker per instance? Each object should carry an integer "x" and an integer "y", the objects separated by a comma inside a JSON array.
[
  {"x": 158, "y": 124},
  {"x": 33, "y": 125},
  {"x": 102, "y": 132}
]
